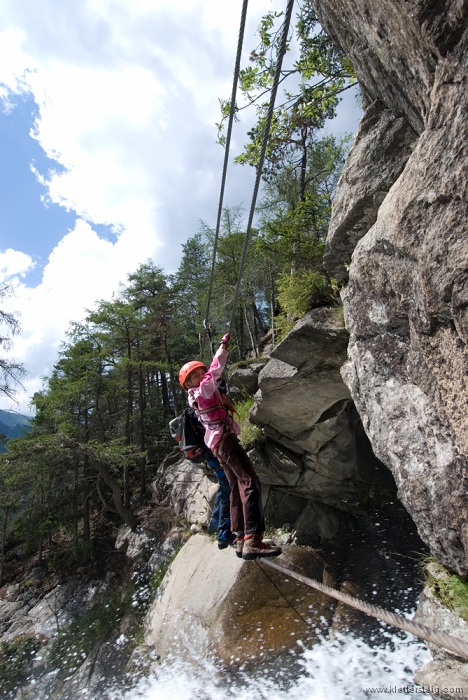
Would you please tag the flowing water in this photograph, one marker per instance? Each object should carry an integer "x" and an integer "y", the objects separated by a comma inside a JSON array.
[{"x": 344, "y": 667}]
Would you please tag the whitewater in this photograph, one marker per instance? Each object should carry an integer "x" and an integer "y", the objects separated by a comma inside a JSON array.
[{"x": 334, "y": 669}]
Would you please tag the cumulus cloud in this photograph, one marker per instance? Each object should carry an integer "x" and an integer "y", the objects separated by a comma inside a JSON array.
[
  {"x": 127, "y": 95},
  {"x": 73, "y": 281},
  {"x": 13, "y": 263}
]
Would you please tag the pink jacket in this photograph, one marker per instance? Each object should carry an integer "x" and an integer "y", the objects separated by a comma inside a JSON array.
[{"x": 207, "y": 396}]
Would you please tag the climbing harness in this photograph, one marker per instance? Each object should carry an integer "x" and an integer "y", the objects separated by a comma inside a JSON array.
[
  {"x": 232, "y": 112},
  {"x": 454, "y": 644}
]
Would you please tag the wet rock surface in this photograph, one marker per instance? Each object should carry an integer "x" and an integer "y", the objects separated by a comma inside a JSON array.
[{"x": 247, "y": 613}]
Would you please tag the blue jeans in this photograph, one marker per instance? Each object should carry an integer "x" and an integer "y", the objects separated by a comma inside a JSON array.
[{"x": 220, "y": 520}]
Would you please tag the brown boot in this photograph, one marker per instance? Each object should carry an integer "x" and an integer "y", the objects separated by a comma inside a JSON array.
[
  {"x": 239, "y": 546},
  {"x": 254, "y": 548}
]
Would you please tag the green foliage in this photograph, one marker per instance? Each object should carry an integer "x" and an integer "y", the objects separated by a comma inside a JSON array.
[
  {"x": 251, "y": 435},
  {"x": 15, "y": 659},
  {"x": 11, "y": 371},
  {"x": 299, "y": 292},
  {"x": 450, "y": 589},
  {"x": 318, "y": 77}
]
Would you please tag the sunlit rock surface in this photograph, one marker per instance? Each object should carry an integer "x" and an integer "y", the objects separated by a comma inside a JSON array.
[
  {"x": 212, "y": 603},
  {"x": 185, "y": 486}
]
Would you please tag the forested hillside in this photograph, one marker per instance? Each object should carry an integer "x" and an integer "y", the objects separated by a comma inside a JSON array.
[{"x": 12, "y": 425}]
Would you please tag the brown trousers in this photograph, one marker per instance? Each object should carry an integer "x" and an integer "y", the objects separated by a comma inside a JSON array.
[{"x": 246, "y": 494}]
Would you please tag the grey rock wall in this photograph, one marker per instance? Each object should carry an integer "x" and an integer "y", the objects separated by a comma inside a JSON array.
[
  {"x": 316, "y": 466},
  {"x": 402, "y": 205}
]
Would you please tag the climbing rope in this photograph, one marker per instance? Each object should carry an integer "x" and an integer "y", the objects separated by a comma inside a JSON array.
[
  {"x": 266, "y": 134},
  {"x": 226, "y": 158},
  {"x": 454, "y": 644}
]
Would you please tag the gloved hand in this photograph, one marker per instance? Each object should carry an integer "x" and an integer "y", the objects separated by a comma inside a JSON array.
[{"x": 225, "y": 340}]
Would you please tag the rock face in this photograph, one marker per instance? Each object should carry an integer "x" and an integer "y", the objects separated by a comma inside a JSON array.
[
  {"x": 188, "y": 490},
  {"x": 402, "y": 205},
  {"x": 317, "y": 462}
]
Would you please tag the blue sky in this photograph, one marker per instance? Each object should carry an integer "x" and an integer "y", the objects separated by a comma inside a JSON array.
[
  {"x": 108, "y": 148},
  {"x": 25, "y": 222},
  {"x": 29, "y": 220}
]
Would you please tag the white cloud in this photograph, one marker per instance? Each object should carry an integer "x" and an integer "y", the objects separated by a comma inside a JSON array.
[
  {"x": 82, "y": 269},
  {"x": 127, "y": 94},
  {"x": 14, "y": 262}
]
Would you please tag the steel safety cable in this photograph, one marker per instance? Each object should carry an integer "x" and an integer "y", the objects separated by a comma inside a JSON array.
[
  {"x": 454, "y": 644},
  {"x": 232, "y": 112},
  {"x": 266, "y": 134}
]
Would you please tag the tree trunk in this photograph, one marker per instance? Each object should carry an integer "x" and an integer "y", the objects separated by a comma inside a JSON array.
[
  {"x": 127, "y": 515},
  {"x": 39, "y": 551},
  {"x": 171, "y": 373},
  {"x": 75, "y": 512},
  {"x": 254, "y": 345},
  {"x": 165, "y": 394},
  {"x": 302, "y": 193},
  {"x": 128, "y": 423},
  {"x": 259, "y": 327},
  {"x": 86, "y": 514},
  {"x": 272, "y": 308},
  {"x": 142, "y": 399},
  {"x": 106, "y": 505},
  {"x": 241, "y": 337},
  {"x": 4, "y": 535}
]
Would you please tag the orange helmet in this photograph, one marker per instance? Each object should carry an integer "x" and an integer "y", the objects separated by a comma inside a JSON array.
[{"x": 188, "y": 368}]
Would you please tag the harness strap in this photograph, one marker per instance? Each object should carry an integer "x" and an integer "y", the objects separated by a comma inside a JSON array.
[
  {"x": 213, "y": 423},
  {"x": 201, "y": 411}
]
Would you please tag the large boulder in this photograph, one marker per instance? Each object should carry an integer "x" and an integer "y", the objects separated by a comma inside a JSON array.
[
  {"x": 407, "y": 297},
  {"x": 184, "y": 486},
  {"x": 309, "y": 420},
  {"x": 246, "y": 380},
  {"x": 212, "y": 601}
]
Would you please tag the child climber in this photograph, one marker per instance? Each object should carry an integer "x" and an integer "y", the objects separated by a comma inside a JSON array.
[{"x": 221, "y": 437}]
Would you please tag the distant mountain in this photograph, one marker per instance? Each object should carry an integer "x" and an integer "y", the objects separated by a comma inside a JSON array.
[{"x": 12, "y": 425}]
